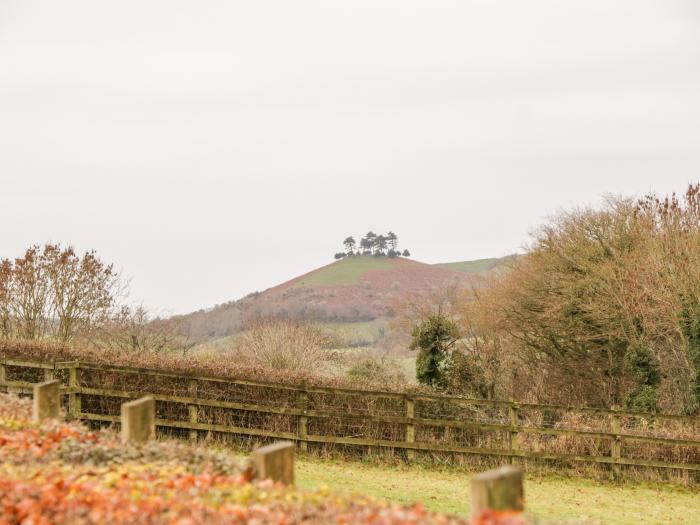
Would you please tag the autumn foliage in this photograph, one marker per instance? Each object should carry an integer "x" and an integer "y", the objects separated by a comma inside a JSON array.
[
  {"x": 62, "y": 473},
  {"x": 602, "y": 310}
]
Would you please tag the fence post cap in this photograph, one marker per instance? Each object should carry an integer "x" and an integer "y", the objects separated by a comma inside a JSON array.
[
  {"x": 274, "y": 447},
  {"x": 138, "y": 401},
  {"x": 275, "y": 462},
  {"x": 498, "y": 490},
  {"x": 505, "y": 471}
]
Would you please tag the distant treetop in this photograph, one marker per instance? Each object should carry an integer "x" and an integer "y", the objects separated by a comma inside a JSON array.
[{"x": 374, "y": 245}]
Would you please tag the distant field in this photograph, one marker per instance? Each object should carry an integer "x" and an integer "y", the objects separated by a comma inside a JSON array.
[
  {"x": 364, "y": 332},
  {"x": 346, "y": 271},
  {"x": 548, "y": 498},
  {"x": 477, "y": 266}
]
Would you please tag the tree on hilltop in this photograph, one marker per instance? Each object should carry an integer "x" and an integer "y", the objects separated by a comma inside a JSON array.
[
  {"x": 380, "y": 245},
  {"x": 349, "y": 244},
  {"x": 392, "y": 240},
  {"x": 371, "y": 239}
]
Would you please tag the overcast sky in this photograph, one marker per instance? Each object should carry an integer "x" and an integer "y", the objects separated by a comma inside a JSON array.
[{"x": 214, "y": 148}]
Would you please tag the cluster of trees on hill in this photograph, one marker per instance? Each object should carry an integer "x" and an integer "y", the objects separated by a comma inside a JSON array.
[{"x": 372, "y": 244}]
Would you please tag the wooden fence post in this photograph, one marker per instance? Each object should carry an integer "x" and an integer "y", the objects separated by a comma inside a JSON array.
[
  {"x": 193, "y": 409},
  {"x": 275, "y": 462},
  {"x": 74, "y": 404},
  {"x": 513, "y": 435},
  {"x": 616, "y": 445},
  {"x": 138, "y": 420},
  {"x": 410, "y": 428},
  {"x": 303, "y": 421},
  {"x": 47, "y": 403},
  {"x": 499, "y": 490},
  {"x": 3, "y": 375}
]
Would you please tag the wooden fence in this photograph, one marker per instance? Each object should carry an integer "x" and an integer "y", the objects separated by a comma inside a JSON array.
[{"x": 190, "y": 405}]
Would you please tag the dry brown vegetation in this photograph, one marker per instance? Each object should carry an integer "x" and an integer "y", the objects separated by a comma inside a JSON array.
[
  {"x": 52, "y": 292},
  {"x": 282, "y": 345},
  {"x": 603, "y": 310}
]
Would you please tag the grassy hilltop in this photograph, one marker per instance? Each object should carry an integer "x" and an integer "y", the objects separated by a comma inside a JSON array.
[{"x": 349, "y": 291}]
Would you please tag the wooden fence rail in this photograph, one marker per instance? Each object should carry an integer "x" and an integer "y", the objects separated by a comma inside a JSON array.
[{"x": 514, "y": 425}]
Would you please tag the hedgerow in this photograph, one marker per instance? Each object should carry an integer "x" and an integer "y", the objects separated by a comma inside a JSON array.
[{"x": 62, "y": 473}]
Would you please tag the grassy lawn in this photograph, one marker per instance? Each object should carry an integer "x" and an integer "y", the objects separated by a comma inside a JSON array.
[
  {"x": 548, "y": 498},
  {"x": 346, "y": 271}
]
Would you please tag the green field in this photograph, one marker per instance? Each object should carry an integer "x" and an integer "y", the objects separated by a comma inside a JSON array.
[
  {"x": 346, "y": 271},
  {"x": 476, "y": 266},
  {"x": 550, "y": 499},
  {"x": 365, "y": 331}
]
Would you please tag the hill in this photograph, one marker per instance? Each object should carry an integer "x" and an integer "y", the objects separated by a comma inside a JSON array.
[
  {"x": 354, "y": 289},
  {"x": 478, "y": 266}
]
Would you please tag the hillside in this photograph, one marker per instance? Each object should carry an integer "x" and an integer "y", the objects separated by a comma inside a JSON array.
[
  {"x": 354, "y": 289},
  {"x": 478, "y": 266}
]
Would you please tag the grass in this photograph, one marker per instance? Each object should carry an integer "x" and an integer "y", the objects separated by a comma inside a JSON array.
[
  {"x": 365, "y": 332},
  {"x": 476, "y": 266},
  {"x": 346, "y": 271},
  {"x": 548, "y": 498}
]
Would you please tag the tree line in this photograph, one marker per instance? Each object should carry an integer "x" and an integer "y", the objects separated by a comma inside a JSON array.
[
  {"x": 602, "y": 310},
  {"x": 374, "y": 245},
  {"x": 52, "y": 293}
]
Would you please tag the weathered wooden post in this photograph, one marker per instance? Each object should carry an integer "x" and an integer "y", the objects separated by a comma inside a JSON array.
[
  {"x": 410, "y": 428},
  {"x": 48, "y": 374},
  {"x": 513, "y": 435},
  {"x": 138, "y": 420},
  {"x": 275, "y": 462},
  {"x": 47, "y": 402},
  {"x": 74, "y": 404},
  {"x": 499, "y": 490},
  {"x": 616, "y": 445},
  {"x": 303, "y": 421},
  {"x": 3, "y": 376},
  {"x": 193, "y": 409}
]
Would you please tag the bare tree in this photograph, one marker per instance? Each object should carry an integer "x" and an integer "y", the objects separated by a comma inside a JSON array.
[
  {"x": 5, "y": 317},
  {"x": 82, "y": 290},
  {"x": 52, "y": 292},
  {"x": 29, "y": 295}
]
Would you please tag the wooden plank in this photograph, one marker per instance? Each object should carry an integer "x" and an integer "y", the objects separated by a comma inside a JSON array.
[
  {"x": 225, "y": 429},
  {"x": 27, "y": 364},
  {"x": 410, "y": 431}
]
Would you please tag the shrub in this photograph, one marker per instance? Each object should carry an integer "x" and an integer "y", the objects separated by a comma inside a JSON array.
[
  {"x": 281, "y": 344},
  {"x": 603, "y": 309},
  {"x": 371, "y": 370},
  {"x": 434, "y": 338}
]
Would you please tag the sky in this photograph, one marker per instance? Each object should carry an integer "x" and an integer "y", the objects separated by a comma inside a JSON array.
[{"x": 211, "y": 149}]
